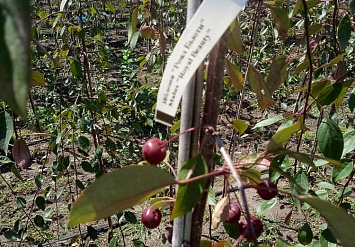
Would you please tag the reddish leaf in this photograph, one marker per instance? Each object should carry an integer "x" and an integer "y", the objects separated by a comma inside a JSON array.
[
  {"x": 235, "y": 76},
  {"x": 21, "y": 154}
]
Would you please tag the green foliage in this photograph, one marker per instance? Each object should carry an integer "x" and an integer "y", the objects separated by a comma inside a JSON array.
[{"x": 104, "y": 198}]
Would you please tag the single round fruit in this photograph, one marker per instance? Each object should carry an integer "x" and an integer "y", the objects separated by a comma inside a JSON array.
[
  {"x": 154, "y": 151},
  {"x": 267, "y": 190},
  {"x": 234, "y": 213},
  {"x": 246, "y": 232},
  {"x": 169, "y": 236},
  {"x": 151, "y": 218}
]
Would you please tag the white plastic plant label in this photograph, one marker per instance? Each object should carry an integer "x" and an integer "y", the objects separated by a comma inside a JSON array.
[{"x": 210, "y": 21}]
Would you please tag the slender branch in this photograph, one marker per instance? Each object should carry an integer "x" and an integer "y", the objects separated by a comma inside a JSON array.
[{"x": 310, "y": 75}]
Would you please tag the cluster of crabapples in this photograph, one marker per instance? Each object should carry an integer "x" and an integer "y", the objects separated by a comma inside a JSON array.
[{"x": 154, "y": 152}]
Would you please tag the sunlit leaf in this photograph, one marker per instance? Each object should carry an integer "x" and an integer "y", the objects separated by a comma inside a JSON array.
[
  {"x": 268, "y": 121},
  {"x": 258, "y": 86},
  {"x": 240, "y": 126},
  {"x": 302, "y": 66},
  {"x": 189, "y": 194},
  {"x": 265, "y": 205},
  {"x": 62, "y": 5},
  {"x": 220, "y": 213},
  {"x": 349, "y": 141},
  {"x": 133, "y": 20},
  {"x": 104, "y": 198},
  {"x": 316, "y": 87},
  {"x": 277, "y": 73},
  {"x": 343, "y": 171},
  {"x": 341, "y": 223},
  {"x": 330, "y": 139},
  {"x": 282, "y": 137},
  {"x": 234, "y": 40},
  {"x": 235, "y": 76},
  {"x": 37, "y": 78},
  {"x": 110, "y": 7}
]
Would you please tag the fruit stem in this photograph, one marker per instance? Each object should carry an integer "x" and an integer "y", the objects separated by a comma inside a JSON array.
[
  {"x": 221, "y": 171},
  {"x": 184, "y": 132},
  {"x": 236, "y": 176}
]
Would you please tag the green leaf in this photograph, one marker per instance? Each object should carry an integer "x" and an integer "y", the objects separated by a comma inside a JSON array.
[
  {"x": 352, "y": 7},
  {"x": 110, "y": 7},
  {"x": 104, "y": 197},
  {"x": 282, "y": 137},
  {"x": 6, "y": 130},
  {"x": 330, "y": 139},
  {"x": 277, "y": 73},
  {"x": 205, "y": 243},
  {"x": 265, "y": 205},
  {"x": 37, "y": 78},
  {"x": 133, "y": 20},
  {"x": 282, "y": 21},
  {"x": 15, "y": 54},
  {"x": 175, "y": 127},
  {"x": 268, "y": 121},
  {"x": 92, "y": 232},
  {"x": 16, "y": 172},
  {"x": 240, "y": 126},
  {"x": 316, "y": 87},
  {"x": 349, "y": 141},
  {"x": 98, "y": 153},
  {"x": 76, "y": 70},
  {"x": 342, "y": 171},
  {"x": 258, "y": 86},
  {"x": 341, "y": 223},
  {"x": 315, "y": 28},
  {"x": 305, "y": 234},
  {"x": 280, "y": 162},
  {"x": 232, "y": 230},
  {"x": 235, "y": 76},
  {"x": 84, "y": 143},
  {"x": 282, "y": 243},
  {"x": 344, "y": 32},
  {"x": 302, "y": 66},
  {"x": 20, "y": 202},
  {"x": 351, "y": 101},
  {"x": 329, "y": 94},
  {"x": 211, "y": 199},
  {"x": 5, "y": 160},
  {"x": 296, "y": 8},
  {"x": 41, "y": 203},
  {"x": 234, "y": 39},
  {"x": 339, "y": 100},
  {"x": 39, "y": 180},
  {"x": 304, "y": 158},
  {"x": 189, "y": 194}
]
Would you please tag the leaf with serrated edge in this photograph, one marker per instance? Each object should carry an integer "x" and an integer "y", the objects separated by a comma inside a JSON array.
[
  {"x": 104, "y": 197},
  {"x": 341, "y": 223},
  {"x": 221, "y": 212}
]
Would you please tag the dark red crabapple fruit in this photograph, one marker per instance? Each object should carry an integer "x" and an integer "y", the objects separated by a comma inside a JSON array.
[
  {"x": 154, "y": 151},
  {"x": 246, "y": 232},
  {"x": 151, "y": 218},
  {"x": 267, "y": 190},
  {"x": 234, "y": 213},
  {"x": 169, "y": 235}
]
